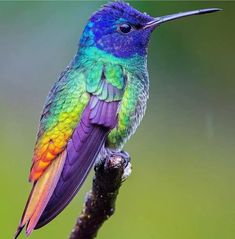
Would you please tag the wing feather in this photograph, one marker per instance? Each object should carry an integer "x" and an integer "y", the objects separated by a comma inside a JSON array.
[
  {"x": 60, "y": 116},
  {"x": 80, "y": 111},
  {"x": 99, "y": 117}
]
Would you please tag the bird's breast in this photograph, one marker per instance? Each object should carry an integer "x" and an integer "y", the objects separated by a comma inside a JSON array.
[{"x": 131, "y": 111}]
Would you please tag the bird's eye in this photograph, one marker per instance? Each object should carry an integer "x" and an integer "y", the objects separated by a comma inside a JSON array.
[{"x": 125, "y": 28}]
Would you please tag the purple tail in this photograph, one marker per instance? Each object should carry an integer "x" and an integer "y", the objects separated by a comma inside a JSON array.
[{"x": 82, "y": 151}]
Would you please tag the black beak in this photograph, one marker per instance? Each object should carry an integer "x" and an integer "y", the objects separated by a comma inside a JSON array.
[{"x": 159, "y": 20}]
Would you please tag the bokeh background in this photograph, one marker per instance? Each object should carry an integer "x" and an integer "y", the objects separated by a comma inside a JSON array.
[{"x": 183, "y": 180}]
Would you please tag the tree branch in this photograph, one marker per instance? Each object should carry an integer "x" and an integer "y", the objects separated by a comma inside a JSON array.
[{"x": 100, "y": 201}]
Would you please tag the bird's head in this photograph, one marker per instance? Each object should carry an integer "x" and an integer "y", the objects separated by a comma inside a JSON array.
[{"x": 121, "y": 30}]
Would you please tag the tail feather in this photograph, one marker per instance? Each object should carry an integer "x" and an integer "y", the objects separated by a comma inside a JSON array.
[
  {"x": 82, "y": 151},
  {"x": 64, "y": 177},
  {"x": 40, "y": 195},
  {"x": 18, "y": 231},
  {"x": 73, "y": 176},
  {"x": 22, "y": 221}
]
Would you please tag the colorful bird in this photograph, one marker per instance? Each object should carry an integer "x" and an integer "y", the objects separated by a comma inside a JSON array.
[{"x": 94, "y": 107}]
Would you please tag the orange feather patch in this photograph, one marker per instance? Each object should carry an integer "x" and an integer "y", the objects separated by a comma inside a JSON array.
[{"x": 41, "y": 193}]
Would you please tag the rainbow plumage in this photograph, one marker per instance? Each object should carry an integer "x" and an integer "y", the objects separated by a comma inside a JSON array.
[{"x": 94, "y": 107}]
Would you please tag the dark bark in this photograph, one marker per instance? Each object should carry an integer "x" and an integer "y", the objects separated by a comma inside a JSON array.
[{"x": 100, "y": 201}]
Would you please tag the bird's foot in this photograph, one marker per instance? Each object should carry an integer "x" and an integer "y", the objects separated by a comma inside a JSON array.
[
  {"x": 124, "y": 159},
  {"x": 115, "y": 159}
]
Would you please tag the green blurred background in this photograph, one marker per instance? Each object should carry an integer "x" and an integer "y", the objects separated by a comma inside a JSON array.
[{"x": 183, "y": 180}]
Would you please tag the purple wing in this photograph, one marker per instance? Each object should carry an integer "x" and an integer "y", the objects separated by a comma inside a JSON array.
[{"x": 98, "y": 118}]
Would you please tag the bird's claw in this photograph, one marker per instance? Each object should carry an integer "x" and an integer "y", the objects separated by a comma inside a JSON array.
[
  {"x": 111, "y": 158},
  {"x": 124, "y": 159}
]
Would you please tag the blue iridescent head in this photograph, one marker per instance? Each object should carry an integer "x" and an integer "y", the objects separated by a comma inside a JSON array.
[{"x": 119, "y": 29}]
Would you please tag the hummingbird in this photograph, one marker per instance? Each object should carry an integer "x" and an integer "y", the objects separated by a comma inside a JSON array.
[{"x": 93, "y": 109}]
